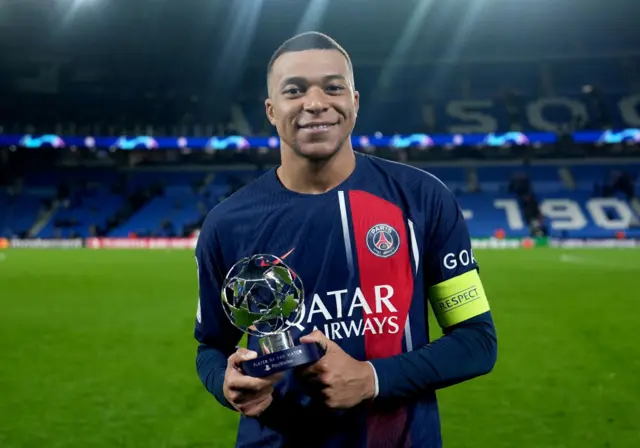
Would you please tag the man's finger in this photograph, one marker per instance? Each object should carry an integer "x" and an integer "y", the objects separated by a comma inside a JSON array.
[
  {"x": 318, "y": 337},
  {"x": 241, "y": 355},
  {"x": 311, "y": 371},
  {"x": 273, "y": 379},
  {"x": 257, "y": 407},
  {"x": 247, "y": 397},
  {"x": 237, "y": 381}
]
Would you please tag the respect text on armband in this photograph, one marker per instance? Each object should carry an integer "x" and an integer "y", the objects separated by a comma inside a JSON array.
[{"x": 458, "y": 299}]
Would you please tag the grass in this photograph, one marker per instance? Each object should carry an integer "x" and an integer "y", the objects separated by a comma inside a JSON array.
[{"x": 97, "y": 351}]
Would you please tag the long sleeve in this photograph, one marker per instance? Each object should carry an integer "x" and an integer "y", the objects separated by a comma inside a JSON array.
[
  {"x": 466, "y": 351},
  {"x": 217, "y": 337},
  {"x": 211, "y": 364},
  {"x": 450, "y": 271}
]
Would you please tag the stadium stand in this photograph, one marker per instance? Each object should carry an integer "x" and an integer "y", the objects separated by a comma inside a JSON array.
[
  {"x": 511, "y": 182},
  {"x": 597, "y": 200},
  {"x": 588, "y": 93},
  {"x": 596, "y": 206},
  {"x": 18, "y": 212}
]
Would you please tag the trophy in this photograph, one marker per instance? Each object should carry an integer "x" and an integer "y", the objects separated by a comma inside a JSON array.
[{"x": 263, "y": 297}]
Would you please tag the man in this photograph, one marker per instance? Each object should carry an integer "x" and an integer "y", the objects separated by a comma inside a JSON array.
[{"x": 372, "y": 241}]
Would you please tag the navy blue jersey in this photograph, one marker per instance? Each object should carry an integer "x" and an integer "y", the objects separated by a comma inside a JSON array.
[{"x": 369, "y": 253}]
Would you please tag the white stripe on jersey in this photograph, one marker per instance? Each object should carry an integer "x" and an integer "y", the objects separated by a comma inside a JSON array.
[
  {"x": 345, "y": 231},
  {"x": 416, "y": 259}
]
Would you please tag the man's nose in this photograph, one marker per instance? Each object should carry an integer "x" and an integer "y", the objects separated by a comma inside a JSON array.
[{"x": 316, "y": 101}]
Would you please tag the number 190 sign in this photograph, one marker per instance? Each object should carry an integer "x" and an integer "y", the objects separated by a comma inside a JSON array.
[{"x": 567, "y": 214}]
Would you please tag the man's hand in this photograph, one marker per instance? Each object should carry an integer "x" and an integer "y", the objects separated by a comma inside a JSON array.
[
  {"x": 342, "y": 381},
  {"x": 249, "y": 395}
]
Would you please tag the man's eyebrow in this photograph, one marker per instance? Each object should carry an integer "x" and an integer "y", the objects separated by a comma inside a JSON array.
[
  {"x": 335, "y": 77},
  {"x": 299, "y": 80}
]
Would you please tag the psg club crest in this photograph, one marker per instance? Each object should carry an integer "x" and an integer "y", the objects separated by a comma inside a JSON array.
[{"x": 383, "y": 240}]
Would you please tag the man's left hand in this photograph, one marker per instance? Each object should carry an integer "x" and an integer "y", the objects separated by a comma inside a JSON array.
[{"x": 342, "y": 381}]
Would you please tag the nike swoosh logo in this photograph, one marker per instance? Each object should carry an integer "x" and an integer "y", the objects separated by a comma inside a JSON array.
[
  {"x": 287, "y": 254},
  {"x": 265, "y": 264}
]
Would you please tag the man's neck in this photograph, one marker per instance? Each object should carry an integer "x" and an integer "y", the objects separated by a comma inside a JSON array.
[{"x": 310, "y": 177}]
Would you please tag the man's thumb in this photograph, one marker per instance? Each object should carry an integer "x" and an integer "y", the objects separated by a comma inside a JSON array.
[
  {"x": 316, "y": 336},
  {"x": 241, "y": 355}
]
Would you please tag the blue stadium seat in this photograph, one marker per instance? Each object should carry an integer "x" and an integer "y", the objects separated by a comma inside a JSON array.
[
  {"x": 485, "y": 217},
  {"x": 143, "y": 179},
  {"x": 178, "y": 205},
  {"x": 572, "y": 213},
  {"x": 93, "y": 209},
  {"x": 571, "y": 75},
  {"x": 18, "y": 214},
  {"x": 491, "y": 80},
  {"x": 587, "y": 176}
]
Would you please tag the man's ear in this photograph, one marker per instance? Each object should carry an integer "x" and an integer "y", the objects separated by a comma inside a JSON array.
[
  {"x": 356, "y": 101},
  {"x": 268, "y": 107}
]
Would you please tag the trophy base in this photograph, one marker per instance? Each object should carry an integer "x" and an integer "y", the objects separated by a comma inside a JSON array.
[{"x": 280, "y": 354}]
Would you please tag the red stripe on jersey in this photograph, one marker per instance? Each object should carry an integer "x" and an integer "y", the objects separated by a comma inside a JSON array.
[{"x": 388, "y": 312}]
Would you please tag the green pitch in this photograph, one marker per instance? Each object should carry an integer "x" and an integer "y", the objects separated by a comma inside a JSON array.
[{"x": 97, "y": 351}]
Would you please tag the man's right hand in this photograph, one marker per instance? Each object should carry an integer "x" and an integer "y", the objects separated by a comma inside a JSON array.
[{"x": 249, "y": 395}]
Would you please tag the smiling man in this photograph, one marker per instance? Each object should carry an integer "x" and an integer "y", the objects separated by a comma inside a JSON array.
[{"x": 374, "y": 242}]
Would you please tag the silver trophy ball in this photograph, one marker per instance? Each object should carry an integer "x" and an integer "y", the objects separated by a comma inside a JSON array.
[{"x": 262, "y": 297}]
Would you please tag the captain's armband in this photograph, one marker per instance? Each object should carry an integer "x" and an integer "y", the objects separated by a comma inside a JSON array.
[{"x": 458, "y": 299}]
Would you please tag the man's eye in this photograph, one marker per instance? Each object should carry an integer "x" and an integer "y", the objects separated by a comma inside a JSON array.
[
  {"x": 335, "y": 88},
  {"x": 292, "y": 91}
]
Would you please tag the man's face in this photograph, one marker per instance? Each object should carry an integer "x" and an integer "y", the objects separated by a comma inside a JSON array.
[{"x": 312, "y": 101}]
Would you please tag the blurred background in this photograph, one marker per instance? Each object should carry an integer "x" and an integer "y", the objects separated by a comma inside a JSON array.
[
  {"x": 122, "y": 123},
  {"x": 122, "y": 118}
]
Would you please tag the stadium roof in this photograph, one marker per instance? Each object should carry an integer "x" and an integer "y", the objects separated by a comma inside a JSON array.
[{"x": 196, "y": 32}]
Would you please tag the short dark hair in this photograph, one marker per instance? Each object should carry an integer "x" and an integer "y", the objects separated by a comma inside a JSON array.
[{"x": 311, "y": 40}]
